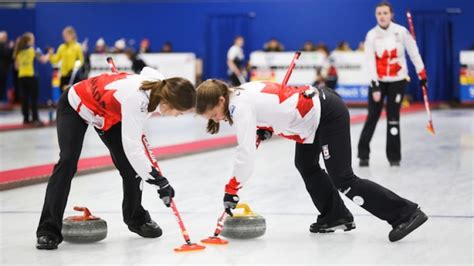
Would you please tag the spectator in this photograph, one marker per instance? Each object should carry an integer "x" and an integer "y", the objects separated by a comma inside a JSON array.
[
  {"x": 25, "y": 55},
  {"x": 100, "y": 46},
  {"x": 68, "y": 53},
  {"x": 167, "y": 48},
  {"x": 360, "y": 48},
  {"x": 86, "y": 67},
  {"x": 327, "y": 74},
  {"x": 6, "y": 56},
  {"x": 319, "y": 82},
  {"x": 144, "y": 47},
  {"x": 308, "y": 46},
  {"x": 273, "y": 45},
  {"x": 322, "y": 47},
  {"x": 16, "y": 97},
  {"x": 137, "y": 63},
  {"x": 343, "y": 46},
  {"x": 235, "y": 62},
  {"x": 119, "y": 46}
]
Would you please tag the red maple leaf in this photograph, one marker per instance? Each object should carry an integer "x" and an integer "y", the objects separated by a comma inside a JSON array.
[
  {"x": 304, "y": 104},
  {"x": 99, "y": 100},
  {"x": 384, "y": 68}
]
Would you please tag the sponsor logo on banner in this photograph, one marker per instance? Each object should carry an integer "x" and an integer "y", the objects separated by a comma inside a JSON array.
[
  {"x": 353, "y": 93},
  {"x": 466, "y": 76}
]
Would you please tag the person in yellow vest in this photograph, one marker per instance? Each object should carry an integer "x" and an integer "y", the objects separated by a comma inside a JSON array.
[
  {"x": 25, "y": 55},
  {"x": 68, "y": 53}
]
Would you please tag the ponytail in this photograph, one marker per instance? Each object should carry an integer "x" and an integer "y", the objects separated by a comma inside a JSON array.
[
  {"x": 22, "y": 43},
  {"x": 212, "y": 126},
  {"x": 179, "y": 93}
]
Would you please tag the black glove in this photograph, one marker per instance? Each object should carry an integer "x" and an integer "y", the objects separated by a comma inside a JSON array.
[
  {"x": 423, "y": 82},
  {"x": 264, "y": 134},
  {"x": 375, "y": 86},
  {"x": 230, "y": 202},
  {"x": 166, "y": 191},
  {"x": 166, "y": 194}
]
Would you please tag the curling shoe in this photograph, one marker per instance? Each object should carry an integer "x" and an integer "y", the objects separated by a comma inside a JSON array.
[
  {"x": 149, "y": 229},
  {"x": 403, "y": 229}
]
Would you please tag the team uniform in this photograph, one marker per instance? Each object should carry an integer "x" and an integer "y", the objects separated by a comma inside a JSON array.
[
  {"x": 28, "y": 84},
  {"x": 236, "y": 55},
  {"x": 320, "y": 124},
  {"x": 387, "y": 66},
  {"x": 67, "y": 54},
  {"x": 114, "y": 104}
]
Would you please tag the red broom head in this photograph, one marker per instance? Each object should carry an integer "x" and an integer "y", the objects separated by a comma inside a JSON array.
[
  {"x": 215, "y": 240},
  {"x": 189, "y": 247},
  {"x": 430, "y": 128}
]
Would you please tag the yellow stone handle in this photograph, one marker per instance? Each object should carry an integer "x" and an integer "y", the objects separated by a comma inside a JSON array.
[{"x": 247, "y": 210}]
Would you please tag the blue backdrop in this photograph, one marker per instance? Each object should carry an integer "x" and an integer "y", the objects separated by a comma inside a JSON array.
[{"x": 189, "y": 25}]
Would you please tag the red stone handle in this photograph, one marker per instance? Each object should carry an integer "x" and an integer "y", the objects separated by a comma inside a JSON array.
[{"x": 85, "y": 217}]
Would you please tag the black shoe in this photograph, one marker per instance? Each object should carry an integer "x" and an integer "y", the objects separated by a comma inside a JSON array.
[
  {"x": 38, "y": 123},
  {"x": 414, "y": 221},
  {"x": 364, "y": 162},
  {"x": 47, "y": 242},
  {"x": 149, "y": 229},
  {"x": 394, "y": 163},
  {"x": 345, "y": 224}
]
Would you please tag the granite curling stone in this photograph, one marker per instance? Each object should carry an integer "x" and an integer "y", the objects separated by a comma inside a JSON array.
[
  {"x": 84, "y": 229},
  {"x": 244, "y": 226}
]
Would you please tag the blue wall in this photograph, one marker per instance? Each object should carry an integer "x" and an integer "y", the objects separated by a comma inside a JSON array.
[
  {"x": 17, "y": 21},
  {"x": 184, "y": 23}
]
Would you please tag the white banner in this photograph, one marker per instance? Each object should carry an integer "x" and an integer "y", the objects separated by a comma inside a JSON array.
[
  {"x": 169, "y": 64},
  {"x": 353, "y": 79},
  {"x": 351, "y": 68},
  {"x": 273, "y": 65}
]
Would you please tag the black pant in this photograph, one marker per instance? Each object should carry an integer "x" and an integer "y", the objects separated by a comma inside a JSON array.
[
  {"x": 29, "y": 90},
  {"x": 3, "y": 83},
  {"x": 334, "y": 141},
  {"x": 65, "y": 81},
  {"x": 394, "y": 93},
  {"x": 234, "y": 80},
  {"x": 71, "y": 130}
]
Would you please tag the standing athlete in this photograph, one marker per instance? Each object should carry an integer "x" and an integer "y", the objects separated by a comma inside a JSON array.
[{"x": 385, "y": 46}]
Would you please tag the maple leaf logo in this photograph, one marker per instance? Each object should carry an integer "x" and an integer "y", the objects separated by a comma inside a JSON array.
[
  {"x": 100, "y": 100},
  {"x": 304, "y": 104},
  {"x": 384, "y": 65}
]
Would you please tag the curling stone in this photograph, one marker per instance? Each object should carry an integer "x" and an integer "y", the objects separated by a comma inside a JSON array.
[
  {"x": 85, "y": 228},
  {"x": 244, "y": 226}
]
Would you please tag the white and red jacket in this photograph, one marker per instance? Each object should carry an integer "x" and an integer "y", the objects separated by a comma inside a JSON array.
[
  {"x": 110, "y": 98},
  {"x": 385, "y": 52},
  {"x": 285, "y": 111}
]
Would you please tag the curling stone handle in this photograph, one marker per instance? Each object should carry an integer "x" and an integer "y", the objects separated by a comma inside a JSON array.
[
  {"x": 246, "y": 207},
  {"x": 87, "y": 213}
]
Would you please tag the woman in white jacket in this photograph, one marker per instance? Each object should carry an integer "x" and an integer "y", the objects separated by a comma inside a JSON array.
[
  {"x": 318, "y": 121},
  {"x": 385, "y": 47},
  {"x": 118, "y": 106}
]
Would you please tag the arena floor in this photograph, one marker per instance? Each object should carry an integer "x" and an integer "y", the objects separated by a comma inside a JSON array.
[{"x": 436, "y": 172}]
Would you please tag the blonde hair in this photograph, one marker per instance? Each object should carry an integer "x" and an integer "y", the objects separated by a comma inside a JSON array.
[
  {"x": 208, "y": 95},
  {"x": 179, "y": 93},
  {"x": 70, "y": 30}
]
